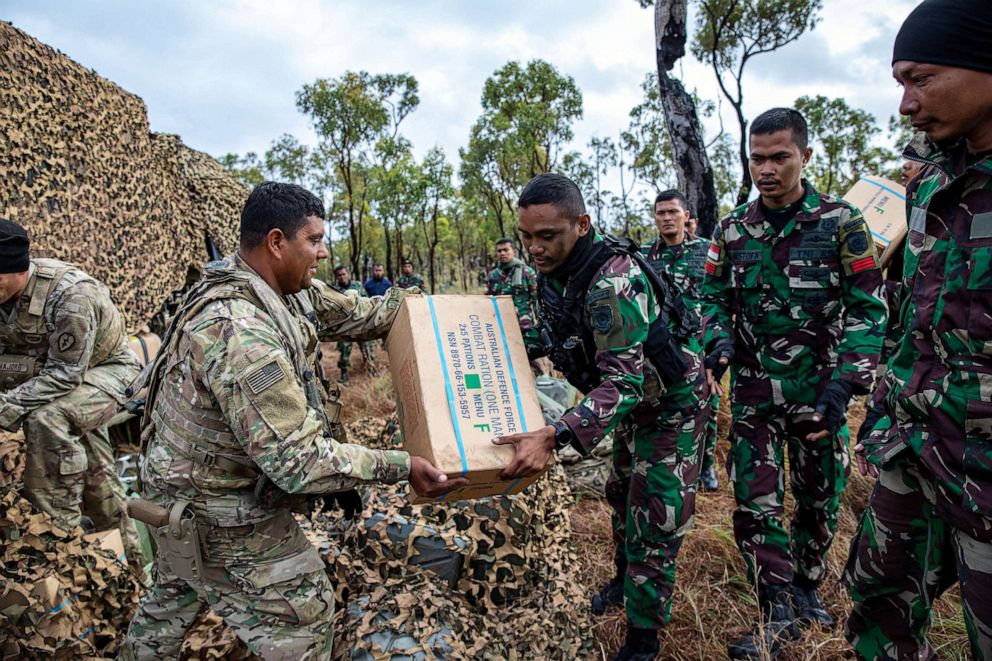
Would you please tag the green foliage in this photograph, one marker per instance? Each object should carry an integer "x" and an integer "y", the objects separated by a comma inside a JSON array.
[
  {"x": 248, "y": 167},
  {"x": 843, "y": 141}
]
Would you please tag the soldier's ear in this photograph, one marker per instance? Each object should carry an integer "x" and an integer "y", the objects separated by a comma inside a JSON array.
[
  {"x": 275, "y": 242},
  {"x": 806, "y": 155},
  {"x": 583, "y": 223}
]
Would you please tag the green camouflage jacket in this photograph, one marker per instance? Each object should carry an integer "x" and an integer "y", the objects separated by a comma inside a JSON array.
[
  {"x": 352, "y": 286},
  {"x": 803, "y": 306},
  {"x": 686, "y": 263},
  {"x": 620, "y": 307},
  {"x": 236, "y": 380},
  {"x": 61, "y": 327},
  {"x": 407, "y": 281},
  {"x": 937, "y": 388},
  {"x": 518, "y": 280}
]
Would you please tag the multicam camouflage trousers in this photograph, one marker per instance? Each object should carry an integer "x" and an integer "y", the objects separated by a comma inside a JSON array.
[
  {"x": 267, "y": 583},
  {"x": 652, "y": 489},
  {"x": 905, "y": 555},
  {"x": 70, "y": 465},
  {"x": 759, "y": 438}
]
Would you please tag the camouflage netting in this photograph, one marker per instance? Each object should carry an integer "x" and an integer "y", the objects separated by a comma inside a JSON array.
[
  {"x": 95, "y": 187},
  {"x": 61, "y": 596}
]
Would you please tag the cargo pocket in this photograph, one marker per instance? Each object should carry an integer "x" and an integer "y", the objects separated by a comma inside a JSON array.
[
  {"x": 976, "y": 459},
  {"x": 980, "y": 304},
  {"x": 292, "y": 591},
  {"x": 72, "y": 460}
]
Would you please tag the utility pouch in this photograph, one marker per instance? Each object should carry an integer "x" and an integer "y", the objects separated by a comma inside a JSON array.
[{"x": 15, "y": 370}]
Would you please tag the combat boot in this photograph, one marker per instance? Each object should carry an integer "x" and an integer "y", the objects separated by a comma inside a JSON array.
[
  {"x": 809, "y": 606},
  {"x": 344, "y": 376},
  {"x": 708, "y": 478},
  {"x": 610, "y": 595},
  {"x": 640, "y": 645},
  {"x": 778, "y": 624}
]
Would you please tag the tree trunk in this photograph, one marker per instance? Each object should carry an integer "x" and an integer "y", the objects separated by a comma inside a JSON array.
[{"x": 695, "y": 174}]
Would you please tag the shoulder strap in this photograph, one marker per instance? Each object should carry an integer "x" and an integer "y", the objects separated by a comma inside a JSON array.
[{"x": 46, "y": 275}]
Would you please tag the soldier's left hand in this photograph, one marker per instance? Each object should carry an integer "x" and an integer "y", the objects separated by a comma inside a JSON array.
[
  {"x": 531, "y": 452},
  {"x": 831, "y": 409}
]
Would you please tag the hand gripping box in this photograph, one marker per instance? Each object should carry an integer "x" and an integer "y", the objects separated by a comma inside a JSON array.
[
  {"x": 462, "y": 377},
  {"x": 883, "y": 203}
]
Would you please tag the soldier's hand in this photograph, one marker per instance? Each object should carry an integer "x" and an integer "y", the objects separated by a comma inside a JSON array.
[
  {"x": 865, "y": 467},
  {"x": 716, "y": 362},
  {"x": 531, "y": 452},
  {"x": 714, "y": 374},
  {"x": 429, "y": 482},
  {"x": 831, "y": 409}
]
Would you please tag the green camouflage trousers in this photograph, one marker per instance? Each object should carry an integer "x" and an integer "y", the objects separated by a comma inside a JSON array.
[
  {"x": 818, "y": 471},
  {"x": 70, "y": 466},
  {"x": 652, "y": 485},
  {"x": 344, "y": 351},
  {"x": 266, "y": 581},
  {"x": 710, "y": 443},
  {"x": 905, "y": 555}
]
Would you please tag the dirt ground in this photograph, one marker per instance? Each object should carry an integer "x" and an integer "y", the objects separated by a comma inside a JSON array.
[{"x": 713, "y": 602}]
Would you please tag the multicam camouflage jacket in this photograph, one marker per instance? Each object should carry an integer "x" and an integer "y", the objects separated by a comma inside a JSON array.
[
  {"x": 936, "y": 392},
  {"x": 62, "y": 326},
  {"x": 518, "y": 280},
  {"x": 803, "y": 306},
  {"x": 686, "y": 263},
  {"x": 407, "y": 281},
  {"x": 234, "y": 396},
  {"x": 620, "y": 306}
]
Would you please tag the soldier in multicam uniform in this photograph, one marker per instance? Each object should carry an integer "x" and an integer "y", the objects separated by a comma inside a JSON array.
[
  {"x": 64, "y": 367},
  {"x": 679, "y": 253},
  {"x": 514, "y": 278},
  {"x": 236, "y": 429},
  {"x": 343, "y": 284},
  {"x": 409, "y": 278},
  {"x": 643, "y": 381},
  {"x": 793, "y": 295},
  {"x": 928, "y": 433}
]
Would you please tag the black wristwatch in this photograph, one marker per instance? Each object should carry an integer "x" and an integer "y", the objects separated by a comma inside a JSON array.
[{"x": 563, "y": 435}]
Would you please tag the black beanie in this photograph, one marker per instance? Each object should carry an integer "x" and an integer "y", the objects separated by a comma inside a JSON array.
[
  {"x": 954, "y": 33},
  {"x": 14, "y": 245}
]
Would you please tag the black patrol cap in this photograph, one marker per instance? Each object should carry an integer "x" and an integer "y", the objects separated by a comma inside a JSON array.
[
  {"x": 14, "y": 245},
  {"x": 953, "y": 33}
]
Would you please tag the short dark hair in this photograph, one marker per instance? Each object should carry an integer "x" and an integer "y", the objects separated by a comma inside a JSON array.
[
  {"x": 672, "y": 194},
  {"x": 339, "y": 268},
  {"x": 407, "y": 261},
  {"x": 379, "y": 264},
  {"x": 504, "y": 240},
  {"x": 781, "y": 119},
  {"x": 556, "y": 190},
  {"x": 272, "y": 205}
]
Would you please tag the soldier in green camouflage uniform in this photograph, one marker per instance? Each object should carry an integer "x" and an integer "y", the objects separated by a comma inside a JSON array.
[
  {"x": 683, "y": 256},
  {"x": 512, "y": 277},
  {"x": 794, "y": 295},
  {"x": 928, "y": 433},
  {"x": 410, "y": 279},
  {"x": 236, "y": 430},
  {"x": 342, "y": 284},
  {"x": 658, "y": 429},
  {"x": 64, "y": 366}
]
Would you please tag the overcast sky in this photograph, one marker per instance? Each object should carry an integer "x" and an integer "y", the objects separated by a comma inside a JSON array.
[{"x": 223, "y": 73}]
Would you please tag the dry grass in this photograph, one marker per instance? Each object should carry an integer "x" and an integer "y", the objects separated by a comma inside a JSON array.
[{"x": 713, "y": 602}]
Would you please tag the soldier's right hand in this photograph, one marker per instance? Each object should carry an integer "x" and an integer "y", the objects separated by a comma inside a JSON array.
[
  {"x": 429, "y": 482},
  {"x": 716, "y": 362}
]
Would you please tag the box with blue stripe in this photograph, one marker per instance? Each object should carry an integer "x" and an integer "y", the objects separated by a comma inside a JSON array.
[{"x": 462, "y": 377}]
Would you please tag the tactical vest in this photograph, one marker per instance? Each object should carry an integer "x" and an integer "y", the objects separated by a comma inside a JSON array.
[
  {"x": 25, "y": 340},
  {"x": 569, "y": 341},
  {"x": 203, "y": 435}
]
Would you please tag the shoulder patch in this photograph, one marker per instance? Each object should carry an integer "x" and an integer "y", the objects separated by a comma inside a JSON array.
[
  {"x": 601, "y": 318},
  {"x": 265, "y": 377},
  {"x": 858, "y": 242},
  {"x": 66, "y": 340},
  {"x": 597, "y": 295}
]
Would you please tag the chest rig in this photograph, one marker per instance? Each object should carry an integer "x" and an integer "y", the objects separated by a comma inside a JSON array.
[{"x": 568, "y": 338}]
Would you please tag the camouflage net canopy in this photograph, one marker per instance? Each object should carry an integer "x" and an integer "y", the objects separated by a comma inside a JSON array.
[
  {"x": 62, "y": 596},
  {"x": 95, "y": 187}
]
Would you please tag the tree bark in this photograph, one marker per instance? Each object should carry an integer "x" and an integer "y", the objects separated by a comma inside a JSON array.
[{"x": 695, "y": 174}]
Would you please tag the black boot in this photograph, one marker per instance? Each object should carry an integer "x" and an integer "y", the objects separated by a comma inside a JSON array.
[
  {"x": 778, "y": 624},
  {"x": 809, "y": 606},
  {"x": 610, "y": 595},
  {"x": 640, "y": 645},
  {"x": 344, "y": 376}
]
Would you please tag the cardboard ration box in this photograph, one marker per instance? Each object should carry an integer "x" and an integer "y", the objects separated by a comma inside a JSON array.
[
  {"x": 883, "y": 203},
  {"x": 462, "y": 377},
  {"x": 110, "y": 540}
]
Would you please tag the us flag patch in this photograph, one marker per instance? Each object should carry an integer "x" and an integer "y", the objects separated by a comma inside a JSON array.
[
  {"x": 863, "y": 264},
  {"x": 265, "y": 377}
]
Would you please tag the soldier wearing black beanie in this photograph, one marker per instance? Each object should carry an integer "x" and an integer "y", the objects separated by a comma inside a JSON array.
[
  {"x": 14, "y": 244},
  {"x": 954, "y": 33}
]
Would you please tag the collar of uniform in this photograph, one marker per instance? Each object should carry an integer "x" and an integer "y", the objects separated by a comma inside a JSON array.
[
  {"x": 952, "y": 158},
  {"x": 807, "y": 212},
  {"x": 510, "y": 264}
]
